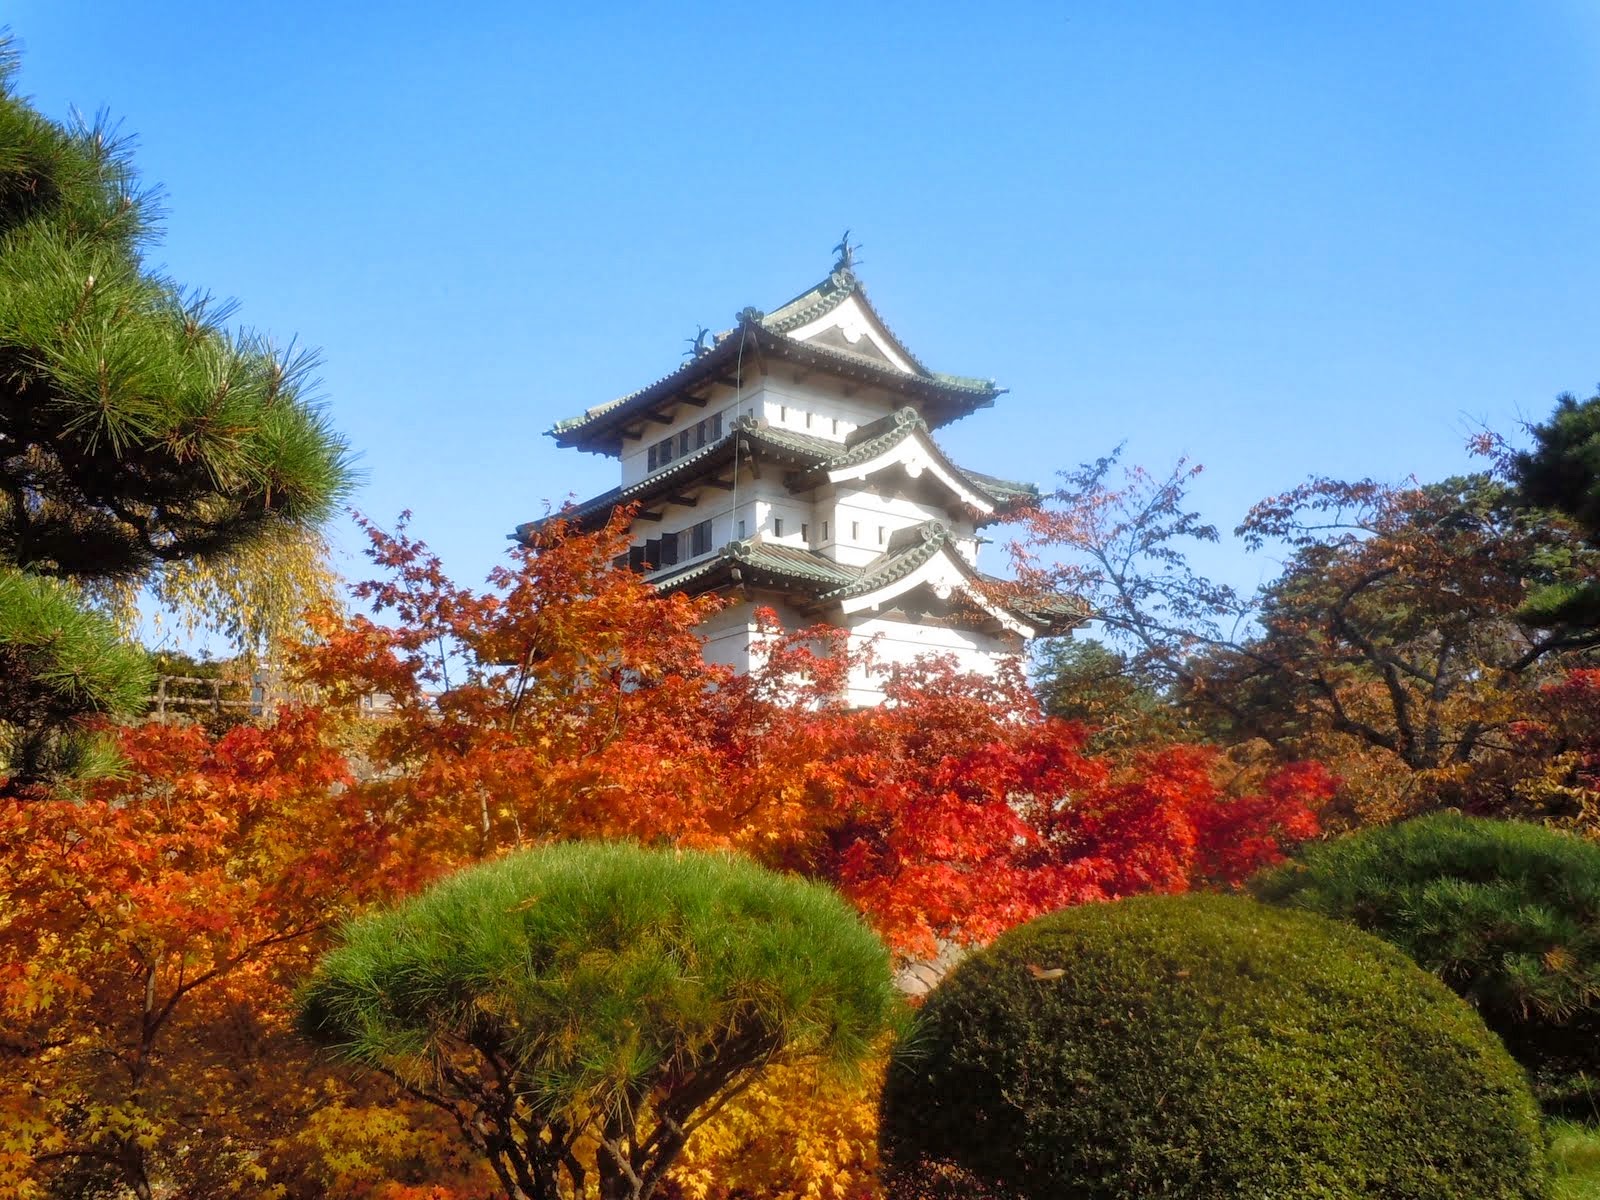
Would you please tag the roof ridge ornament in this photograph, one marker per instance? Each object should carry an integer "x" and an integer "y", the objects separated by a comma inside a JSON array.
[
  {"x": 845, "y": 262},
  {"x": 698, "y": 346}
]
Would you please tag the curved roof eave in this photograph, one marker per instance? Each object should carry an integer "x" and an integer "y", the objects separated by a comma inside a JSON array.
[{"x": 601, "y": 428}]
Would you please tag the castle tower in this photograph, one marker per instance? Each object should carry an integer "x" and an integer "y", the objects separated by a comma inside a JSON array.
[{"x": 791, "y": 463}]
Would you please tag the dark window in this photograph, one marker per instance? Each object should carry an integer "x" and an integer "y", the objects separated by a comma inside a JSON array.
[
  {"x": 699, "y": 435},
  {"x": 652, "y": 465},
  {"x": 880, "y": 535},
  {"x": 652, "y": 554},
  {"x": 683, "y": 443},
  {"x": 808, "y": 420},
  {"x": 777, "y": 526},
  {"x": 701, "y": 538},
  {"x": 824, "y": 531},
  {"x": 783, "y": 414},
  {"x": 716, "y": 427},
  {"x": 669, "y": 549},
  {"x": 636, "y": 557},
  {"x": 805, "y": 533},
  {"x": 741, "y": 529},
  {"x": 855, "y": 531}
]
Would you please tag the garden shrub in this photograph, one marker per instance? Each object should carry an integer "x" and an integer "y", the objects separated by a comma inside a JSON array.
[
  {"x": 1506, "y": 913},
  {"x": 579, "y": 1009},
  {"x": 1203, "y": 1047}
]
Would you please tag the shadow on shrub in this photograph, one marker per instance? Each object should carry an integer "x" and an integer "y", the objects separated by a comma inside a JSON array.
[{"x": 1506, "y": 913}]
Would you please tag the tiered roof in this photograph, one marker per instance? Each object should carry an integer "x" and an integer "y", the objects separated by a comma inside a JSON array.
[
  {"x": 811, "y": 333},
  {"x": 817, "y": 583},
  {"x": 878, "y": 359},
  {"x": 810, "y": 461}
]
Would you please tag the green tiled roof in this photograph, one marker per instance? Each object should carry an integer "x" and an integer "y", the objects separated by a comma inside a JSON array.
[
  {"x": 792, "y": 562},
  {"x": 814, "y": 302},
  {"x": 813, "y": 456},
  {"x": 915, "y": 547},
  {"x": 757, "y": 334},
  {"x": 772, "y": 564},
  {"x": 869, "y": 441},
  {"x": 826, "y": 296},
  {"x": 1009, "y": 490},
  {"x": 797, "y": 449},
  {"x": 775, "y": 561}
]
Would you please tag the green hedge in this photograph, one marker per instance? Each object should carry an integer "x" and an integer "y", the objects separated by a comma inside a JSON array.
[
  {"x": 1204, "y": 1047},
  {"x": 1506, "y": 913}
]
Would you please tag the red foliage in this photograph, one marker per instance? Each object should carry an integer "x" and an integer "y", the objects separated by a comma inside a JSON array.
[
  {"x": 1577, "y": 700},
  {"x": 569, "y": 701},
  {"x": 151, "y": 933}
]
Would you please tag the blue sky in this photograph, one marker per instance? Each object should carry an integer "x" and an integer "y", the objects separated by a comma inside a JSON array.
[{"x": 1282, "y": 239}]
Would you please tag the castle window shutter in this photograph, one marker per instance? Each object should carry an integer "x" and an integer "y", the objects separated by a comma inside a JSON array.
[
  {"x": 636, "y": 557},
  {"x": 669, "y": 550},
  {"x": 652, "y": 465},
  {"x": 652, "y": 554}
]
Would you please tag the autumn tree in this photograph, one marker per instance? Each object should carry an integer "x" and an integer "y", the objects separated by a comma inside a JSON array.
[
  {"x": 569, "y": 700},
  {"x": 565, "y": 701},
  {"x": 151, "y": 931},
  {"x": 1393, "y": 642},
  {"x": 137, "y": 433}
]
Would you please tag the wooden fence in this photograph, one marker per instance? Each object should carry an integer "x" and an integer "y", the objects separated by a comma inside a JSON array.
[{"x": 192, "y": 697}]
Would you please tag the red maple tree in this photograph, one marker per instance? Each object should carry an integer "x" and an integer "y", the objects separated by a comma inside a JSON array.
[{"x": 151, "y": 932}]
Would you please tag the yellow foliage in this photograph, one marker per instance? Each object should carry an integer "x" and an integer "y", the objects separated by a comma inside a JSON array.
[
  {"x": 254, "y": 596},
  {"x": 365, "y": 1146},
  {"x": 799, "y": 1133}
]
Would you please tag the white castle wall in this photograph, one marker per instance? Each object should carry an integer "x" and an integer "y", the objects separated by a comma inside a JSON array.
[
  {"x": 731, "y": 639},
  {"x": 895, "y": 642}
]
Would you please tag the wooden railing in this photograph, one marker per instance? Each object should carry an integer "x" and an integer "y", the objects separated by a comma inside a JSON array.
[{"x": 232, "y": 696}]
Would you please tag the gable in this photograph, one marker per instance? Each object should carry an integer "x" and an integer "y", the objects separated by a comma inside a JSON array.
[
  {"x": 944, "y": 574},
  {"x": 852, "y": 326}
]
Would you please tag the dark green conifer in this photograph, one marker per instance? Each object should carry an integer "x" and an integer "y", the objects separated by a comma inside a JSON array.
[{"x": 135, "y": 430}]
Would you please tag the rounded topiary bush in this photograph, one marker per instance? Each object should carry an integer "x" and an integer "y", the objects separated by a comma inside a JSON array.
[
  {"x": 1203, "y": 1047},
  {"x": 1506, "y": 913}
]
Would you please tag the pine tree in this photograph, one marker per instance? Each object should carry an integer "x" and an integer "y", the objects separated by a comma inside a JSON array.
[
  {"x": 137, "y": 432},
  {"x": 1561, "y": 473}
]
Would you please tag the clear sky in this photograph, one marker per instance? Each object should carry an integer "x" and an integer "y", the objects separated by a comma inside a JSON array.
[{"x": 1280, "y": 238}]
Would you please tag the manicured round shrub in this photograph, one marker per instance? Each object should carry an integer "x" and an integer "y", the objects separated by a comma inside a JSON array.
[
  {"x": 1203, "y": 1048},
  {"x": 1506, "y": 913}
]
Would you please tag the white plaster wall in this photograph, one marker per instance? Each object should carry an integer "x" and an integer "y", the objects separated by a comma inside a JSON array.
[
  {"x": 730, "y": 638},
  {"x": 731, "y": 635},
  {"x": 750, "y": 507},
  {"x": 785, "y": 402},
  {"x": 900, "y": 642},
  {"x": 857, "y": 514},
  {"x": 727, "y": 637}
]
